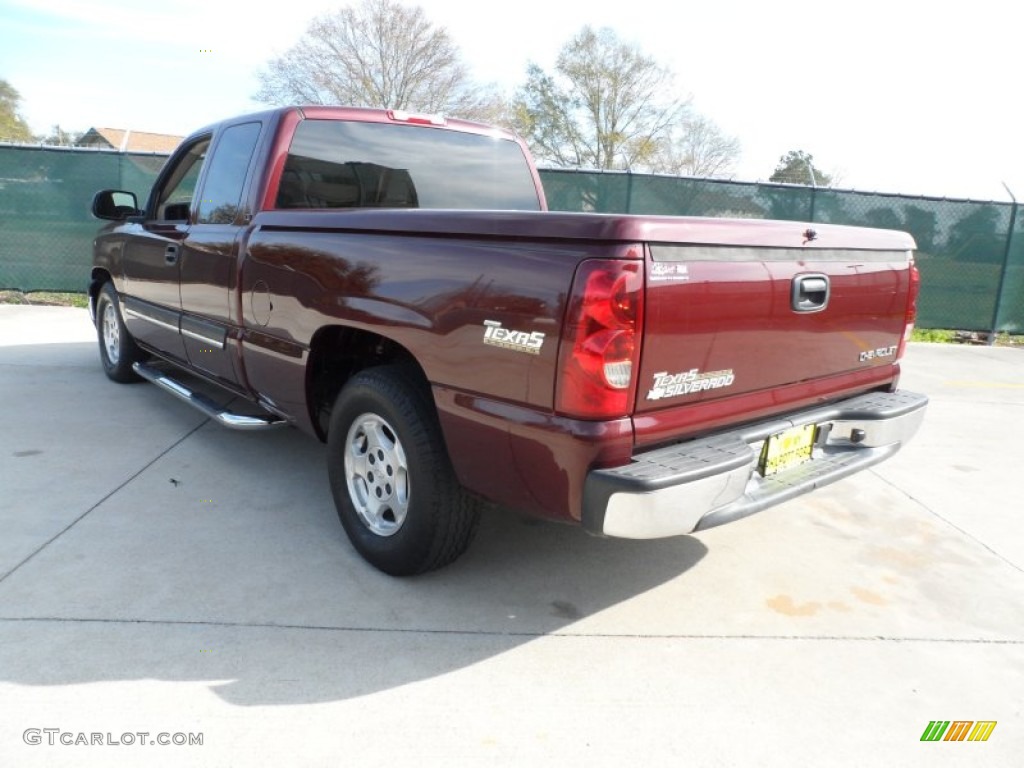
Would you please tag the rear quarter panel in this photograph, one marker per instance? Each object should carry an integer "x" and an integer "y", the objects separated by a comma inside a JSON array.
[{"x": 437, "y": 297}]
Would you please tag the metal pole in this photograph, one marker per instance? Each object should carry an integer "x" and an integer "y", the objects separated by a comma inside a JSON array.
[
  {"x": 629, "y": 190},
  {"x": 1006, "y": 266}
]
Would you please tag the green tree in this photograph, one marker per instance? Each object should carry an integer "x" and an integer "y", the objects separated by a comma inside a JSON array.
[
  {"x": 12, "y": 126},
  {"x": 797, "y": 167},
  {"x": 606, "y": 105},
  {"x": 378, "y": 53}
]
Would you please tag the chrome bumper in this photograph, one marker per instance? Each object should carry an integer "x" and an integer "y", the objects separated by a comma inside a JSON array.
[{"x": 714, "y": 480}]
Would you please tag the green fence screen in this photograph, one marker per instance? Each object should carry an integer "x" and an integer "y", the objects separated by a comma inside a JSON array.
[
  {"x": 971, "y": 254},
  {"x": 46, "y": 227}
]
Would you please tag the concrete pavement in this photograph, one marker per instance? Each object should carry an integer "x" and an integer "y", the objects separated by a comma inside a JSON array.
[{"x": 159, "y": 574}]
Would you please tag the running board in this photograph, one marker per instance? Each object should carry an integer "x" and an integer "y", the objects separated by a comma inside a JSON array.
[{"x": 206, "y": 405}]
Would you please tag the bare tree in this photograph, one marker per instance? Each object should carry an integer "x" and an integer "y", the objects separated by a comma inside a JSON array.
[
  {"x": 376, "y": 54},
  {"x": 58, "y": 137},
  {"x": 606, "y": 105},
  {"x": 698, "y": 147}
]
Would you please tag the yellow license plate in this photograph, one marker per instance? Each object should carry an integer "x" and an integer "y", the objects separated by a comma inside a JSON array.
[{"x": 787, "y": 450}]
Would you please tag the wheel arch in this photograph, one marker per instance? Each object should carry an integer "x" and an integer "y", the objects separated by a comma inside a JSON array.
[
  {"x": 339, "y": 352},
  {"x": 97, "y": 278}
]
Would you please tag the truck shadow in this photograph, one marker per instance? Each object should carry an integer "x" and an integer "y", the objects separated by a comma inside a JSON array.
[{"x": 222, "y": 563}]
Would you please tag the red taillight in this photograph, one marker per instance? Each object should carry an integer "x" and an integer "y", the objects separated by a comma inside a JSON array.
[
  {"x": 600, "y": 349},
  {"x": 911, "y": 318}
]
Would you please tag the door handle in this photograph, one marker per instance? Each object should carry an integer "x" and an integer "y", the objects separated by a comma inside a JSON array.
[
  {"x": 810, "y": 293},
  {"x": 171, "y": 255}
]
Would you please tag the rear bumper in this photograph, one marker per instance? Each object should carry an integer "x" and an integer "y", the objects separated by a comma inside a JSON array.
[{"x": 714, "y": 480}]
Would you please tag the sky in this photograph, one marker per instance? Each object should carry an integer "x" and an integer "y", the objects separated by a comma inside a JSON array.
[{"x": 899, "y": 96}]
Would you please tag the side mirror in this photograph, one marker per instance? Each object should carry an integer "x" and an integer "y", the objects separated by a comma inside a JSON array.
[{"x": 115, "y": 205}]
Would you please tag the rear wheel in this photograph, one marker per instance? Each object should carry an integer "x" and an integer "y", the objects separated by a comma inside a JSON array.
[
  {"x": 118, "y": 350},
  {"x": 393, "y": 484}
]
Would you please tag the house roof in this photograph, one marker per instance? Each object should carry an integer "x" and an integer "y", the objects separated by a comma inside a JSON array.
[{"x": 128, "y": 140}]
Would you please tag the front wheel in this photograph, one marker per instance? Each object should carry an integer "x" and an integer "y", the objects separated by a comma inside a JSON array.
[
  {"x": 393, "y": 484},
  {"x": 118, "y": 350}
]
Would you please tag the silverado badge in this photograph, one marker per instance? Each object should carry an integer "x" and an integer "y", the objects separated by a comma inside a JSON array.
[{"x": 688, "y": 382}]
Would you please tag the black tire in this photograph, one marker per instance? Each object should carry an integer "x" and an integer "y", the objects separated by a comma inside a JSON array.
[
  {"x": 393, "y": 484},
  {"x": 118, "y": 350}
]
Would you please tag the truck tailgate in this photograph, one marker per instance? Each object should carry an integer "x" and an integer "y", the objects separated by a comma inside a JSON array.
[{"x": 726, "y": 320}]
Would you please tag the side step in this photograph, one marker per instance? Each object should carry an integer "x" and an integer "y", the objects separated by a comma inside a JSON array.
[{"x": 202, "y": 403}]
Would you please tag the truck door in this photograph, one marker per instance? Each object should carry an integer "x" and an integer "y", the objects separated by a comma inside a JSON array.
[
  {"x": 152, "y": 303},
  {"x": 209, "y": 256}
]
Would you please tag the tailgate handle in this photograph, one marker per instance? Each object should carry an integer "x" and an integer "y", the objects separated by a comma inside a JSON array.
[{"x": 810, "y": 293}]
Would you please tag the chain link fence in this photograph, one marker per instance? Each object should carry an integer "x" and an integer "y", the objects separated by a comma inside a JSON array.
[{"x": 971, "y": 254}]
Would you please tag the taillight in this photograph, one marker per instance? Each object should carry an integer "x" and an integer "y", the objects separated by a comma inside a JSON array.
[
  {"x": 600, "y": 349},
  {"x": 911, "y": 318}
]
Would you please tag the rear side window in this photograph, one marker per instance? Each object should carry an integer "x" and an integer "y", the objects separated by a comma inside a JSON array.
[
  {"x": 222, "y": 189},
  {"x": 336, "y": 164}
]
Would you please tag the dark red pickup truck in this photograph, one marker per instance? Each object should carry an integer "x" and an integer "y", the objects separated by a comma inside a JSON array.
[{"x": 393, "y": 284}]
